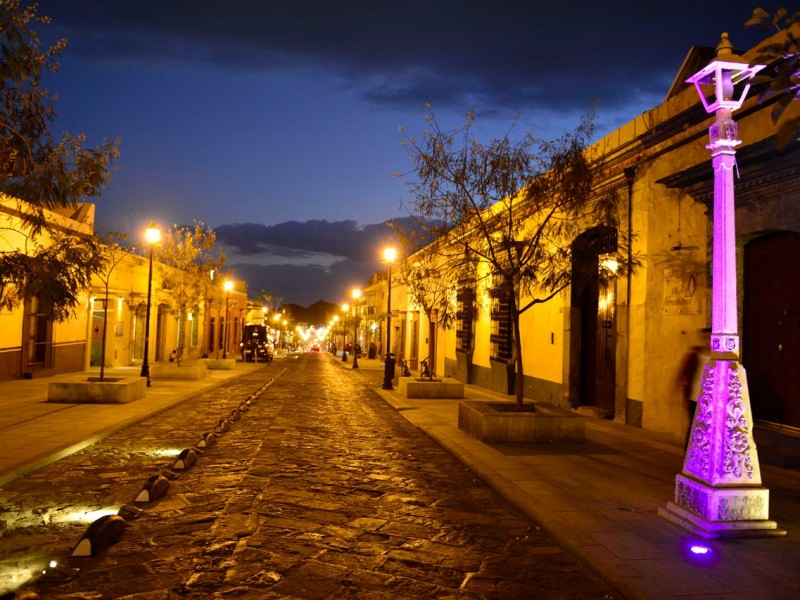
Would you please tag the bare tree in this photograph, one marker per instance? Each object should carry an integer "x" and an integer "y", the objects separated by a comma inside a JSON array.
[
  {"x": 53, "y": 271},
  {"x": 44, "y": 172},
  {"x": 188, "y": 259},
  {"x": 114, "y": 253},
  {"x": 514, "y": 206},
  {"x": 782, "y": 74},
  {"x": 426, "y": 273}
]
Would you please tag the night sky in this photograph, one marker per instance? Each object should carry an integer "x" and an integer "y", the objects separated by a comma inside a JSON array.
[{"x": 276, "y": 123}]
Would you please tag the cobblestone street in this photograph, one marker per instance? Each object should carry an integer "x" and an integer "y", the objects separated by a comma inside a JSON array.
[{"x": 319, "y": 490}]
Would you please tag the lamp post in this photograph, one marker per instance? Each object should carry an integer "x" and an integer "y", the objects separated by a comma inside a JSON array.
[
  {"x": 389, "y": 256},
  {"x": 152, "y": 236},
  {"x": 227, "y": 286},
  {"x": 356, "y": 295},
  {"x": 345, "y": 308},
  {"x": 719, "y": 491}
]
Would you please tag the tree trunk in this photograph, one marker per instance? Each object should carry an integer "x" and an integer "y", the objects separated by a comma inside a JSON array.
[
  {"x": 519, "y": 375},
  {"x": 431, "y": 348},
  {"x": 181, "y": 329},
  {"x": 103, "y": 342}
]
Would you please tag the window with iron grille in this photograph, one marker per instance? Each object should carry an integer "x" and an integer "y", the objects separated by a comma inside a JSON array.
[
  {"x": 500, "y": 336},
  {"x": 465, "y": 315}
]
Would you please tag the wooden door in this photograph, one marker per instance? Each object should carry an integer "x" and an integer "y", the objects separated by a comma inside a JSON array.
[{"x": 771, "y": 327}]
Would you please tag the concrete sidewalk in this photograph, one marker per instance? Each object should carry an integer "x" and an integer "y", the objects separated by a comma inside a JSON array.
[
  {"x": 37, "y": 432},
  {"x": 598, "y": 498}
]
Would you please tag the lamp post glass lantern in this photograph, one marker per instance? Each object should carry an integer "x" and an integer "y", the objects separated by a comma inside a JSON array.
[
  {"x": 719, "y": 491},
  {"x": 152, "y": 236},
  {"x": 389, "y": 256}
]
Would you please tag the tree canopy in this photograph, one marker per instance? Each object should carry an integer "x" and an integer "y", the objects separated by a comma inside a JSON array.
[
  {"x": 513, "y": 205},
  {"x": 782, "y": 75},
  {"x": 41, "y": 172}
]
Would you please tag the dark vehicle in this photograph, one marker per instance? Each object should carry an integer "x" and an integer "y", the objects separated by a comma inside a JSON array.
[{"x": 255, "y": 344}]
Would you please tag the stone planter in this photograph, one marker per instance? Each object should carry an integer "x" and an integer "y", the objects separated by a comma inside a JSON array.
[
  {"x": 220, "y": 364},
  {"x": 112, "y": 390},
  {"x": 171, "y": 370},
  {"x": 499, "y": 422},
  {"x": 419, "y": 387}
]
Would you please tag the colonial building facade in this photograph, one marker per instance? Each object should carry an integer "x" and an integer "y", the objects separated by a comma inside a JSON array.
[
  {"x": 617, "y": 343},
  {"x": 33, "y": 345}
]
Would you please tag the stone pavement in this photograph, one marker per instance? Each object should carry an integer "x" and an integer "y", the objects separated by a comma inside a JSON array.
[
  {"x": 318, "y": 490},
  {"x": 599, "y": 499}
]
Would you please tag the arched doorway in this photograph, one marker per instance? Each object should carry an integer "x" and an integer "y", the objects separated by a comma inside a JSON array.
[
  {"x": 771, "y": 327},
  {"x": 592, "y": 373}
]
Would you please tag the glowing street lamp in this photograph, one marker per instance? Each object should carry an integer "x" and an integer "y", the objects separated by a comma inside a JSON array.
[
  {"x": 152, "y": 236},
  {"x": 389, "y": 256},
  {"x": 227, "y": 286},
  {"x": 719, "y": 491},
  {"x": 356, "y": 293},
  {"x": 345, "y": 308}
]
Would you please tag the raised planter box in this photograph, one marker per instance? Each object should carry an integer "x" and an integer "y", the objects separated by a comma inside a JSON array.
[
  {"x": 498, "y": 422},
  {"x": 171, "y": 370},
  {"x": 112, "y": 390},
  {"x": 419, "y": 387},
  {"x": 220, "y": 364}
]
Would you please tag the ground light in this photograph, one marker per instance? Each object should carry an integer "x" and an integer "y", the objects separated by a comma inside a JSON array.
[
  {"x": 101, "y": 534},
  {"x": 155, "y": 487},
  {"x": 186, "y": 460},
  {"x": 700, "y": 553},
  {"x": 58, "y": 571}
]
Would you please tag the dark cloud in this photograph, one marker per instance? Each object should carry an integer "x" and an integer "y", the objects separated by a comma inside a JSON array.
[
  {"x": 514, "y": 54},
  {"x": 335, "y": 257},
  {"x": 293, "y": 238},
  {"x": 305, "y": 284}
]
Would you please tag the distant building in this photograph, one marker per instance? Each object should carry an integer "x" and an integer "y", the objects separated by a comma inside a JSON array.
[{"x": 32, "y": 345}]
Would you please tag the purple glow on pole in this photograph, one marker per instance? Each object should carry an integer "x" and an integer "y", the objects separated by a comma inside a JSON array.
[{"x": 724, "y": 315}]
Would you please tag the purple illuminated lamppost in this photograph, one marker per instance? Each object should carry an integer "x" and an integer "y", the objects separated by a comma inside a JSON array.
[
  {"x": 389, "y": 256},
  {"x": 719, "y": 492}
]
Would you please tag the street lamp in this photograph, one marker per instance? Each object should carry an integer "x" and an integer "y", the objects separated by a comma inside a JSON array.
[
  {"x": 389, "y": 256},
  {"x": 345, "y": 308},
  {"x": 227, "y": 286},
  {"x": 152, "y": 236},
  {"x": 356, "y": 295},
  {"x": 719, "y": 491}
]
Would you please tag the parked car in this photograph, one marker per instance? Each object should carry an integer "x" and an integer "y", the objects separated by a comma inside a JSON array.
[{"x": 256, "y": 344}]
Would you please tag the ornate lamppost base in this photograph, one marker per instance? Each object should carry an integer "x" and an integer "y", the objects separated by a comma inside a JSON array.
[
  {"x": 719, "y": 492},
  {"x": 719, "y": 512}
]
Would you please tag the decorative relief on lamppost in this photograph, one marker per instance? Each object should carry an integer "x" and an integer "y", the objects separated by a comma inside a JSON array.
[
  {"x": 699, "y": 452},
  {"x": 738, "y": 461}
]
